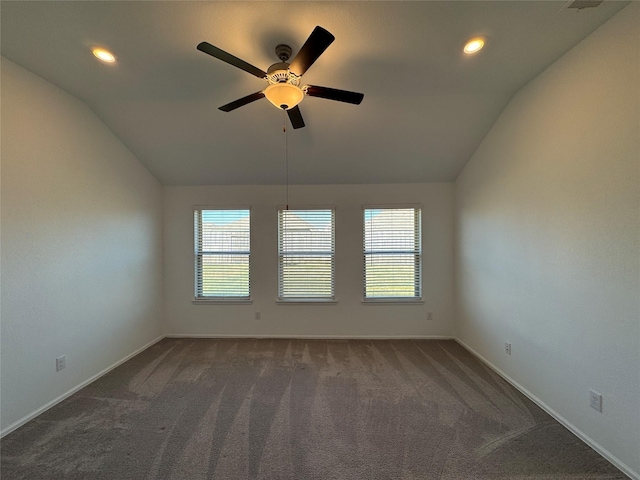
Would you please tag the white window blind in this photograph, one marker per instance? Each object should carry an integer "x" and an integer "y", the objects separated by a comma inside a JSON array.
[
  {"x": 392, "y": 253},
  {"x": 222, "y": 251},
  {"x": 306, "y": 254}
]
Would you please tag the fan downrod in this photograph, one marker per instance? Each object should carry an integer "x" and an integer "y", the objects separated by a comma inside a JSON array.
[{"x": 283, "y": 52}]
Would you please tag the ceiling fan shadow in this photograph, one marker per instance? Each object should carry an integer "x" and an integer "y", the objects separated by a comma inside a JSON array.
[{"x": 268, "y": 39}]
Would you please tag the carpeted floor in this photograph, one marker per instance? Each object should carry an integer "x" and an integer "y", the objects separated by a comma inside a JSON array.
[{"x": 299, "y": 409}]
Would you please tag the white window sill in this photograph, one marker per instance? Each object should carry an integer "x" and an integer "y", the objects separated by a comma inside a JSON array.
[
  {"x": 392, "y": 301},
  {"x": 222, "y": 301},
  {"x": 305, "y": 301}
]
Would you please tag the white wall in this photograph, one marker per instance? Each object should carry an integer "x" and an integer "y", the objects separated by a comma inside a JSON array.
[
  {"x": 81, "y": 245},
  {"x": 349, "y": 317},
  {"x": 547, "y": 238}
]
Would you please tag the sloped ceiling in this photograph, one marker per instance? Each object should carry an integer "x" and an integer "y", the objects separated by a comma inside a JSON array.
[{"x": 426, "y": 108}]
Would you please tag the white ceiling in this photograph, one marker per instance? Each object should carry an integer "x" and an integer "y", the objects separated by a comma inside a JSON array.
[{"x": 426, "y": 106}]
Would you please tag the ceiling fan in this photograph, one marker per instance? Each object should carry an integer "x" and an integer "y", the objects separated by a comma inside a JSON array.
[{"x": 284, "y": 89}]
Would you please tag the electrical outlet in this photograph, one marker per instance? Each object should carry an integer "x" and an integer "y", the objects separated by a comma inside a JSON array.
[
  {"x": 258, "y": 316},
  {"x": 595, "y": 400},
  {"x": 61, "y": 363},
  {"x": 507, "y": 348},
  {"x": 429, "y": 316}
]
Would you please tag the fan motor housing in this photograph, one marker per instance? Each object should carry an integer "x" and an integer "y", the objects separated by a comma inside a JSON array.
[
  {"x": 280, "y": 73},
  {"x": 278, "y": 67}
]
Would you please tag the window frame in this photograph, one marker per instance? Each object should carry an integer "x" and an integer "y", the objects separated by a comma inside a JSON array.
[
  {"x": 198, "y": 255},
  {"x": 416, "y": 299},
  {"x": 330, "y": 300}
]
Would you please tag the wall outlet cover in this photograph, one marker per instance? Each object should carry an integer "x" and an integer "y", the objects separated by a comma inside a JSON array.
[
  {"x": 595, "y": 400},
  {"x": 61, "y": 362}
]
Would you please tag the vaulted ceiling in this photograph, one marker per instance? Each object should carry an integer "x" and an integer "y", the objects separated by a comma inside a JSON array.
[{"x": 426, "y": 107}]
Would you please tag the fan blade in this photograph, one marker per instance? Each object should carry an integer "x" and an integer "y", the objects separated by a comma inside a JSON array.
[
  {"x": 296, "y": 117},
  {"x": 317, "y": 43},
  {"x": 335, "y": 94},
  {"x": 242, "y": 101},
  {"x": 230, "y": 59}
]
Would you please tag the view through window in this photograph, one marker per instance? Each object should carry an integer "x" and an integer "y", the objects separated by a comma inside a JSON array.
[
  {"x": 306, "y": 254},
  {"x": 392, "y": 253},
  {"x": 222, "y": 251}
]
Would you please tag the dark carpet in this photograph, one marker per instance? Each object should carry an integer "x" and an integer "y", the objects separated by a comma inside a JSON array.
[{"x": 299, "y": 409}]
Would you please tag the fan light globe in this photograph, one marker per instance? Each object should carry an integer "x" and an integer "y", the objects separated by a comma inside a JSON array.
[{"x": 284, "y": 95}]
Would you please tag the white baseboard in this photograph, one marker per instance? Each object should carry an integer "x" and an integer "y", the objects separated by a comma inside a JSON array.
[
  {"x": 314, "y": 337},
  {"x": 57, "y": 400},
  {"x": 572, "y": 428}
]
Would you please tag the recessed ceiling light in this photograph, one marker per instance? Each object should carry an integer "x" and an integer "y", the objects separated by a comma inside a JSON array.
[
  {"x": 474, "y": 45},
  {"x": 104, "y": 55}
]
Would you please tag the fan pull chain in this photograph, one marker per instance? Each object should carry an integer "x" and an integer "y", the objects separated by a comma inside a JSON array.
[{"x": 286, "y": 153}]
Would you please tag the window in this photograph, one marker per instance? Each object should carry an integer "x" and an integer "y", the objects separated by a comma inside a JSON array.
[
  {"x": 392, "y": 253},
  {"x": 222, "y": 250},
  {"x": 306, "y": 254}
]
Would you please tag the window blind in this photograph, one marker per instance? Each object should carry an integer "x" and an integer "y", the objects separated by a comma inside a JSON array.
[
  {"x": 306, "y": 254},
  {"x": 392, "y": 253},
  {"x": 222, "y": 251}
]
